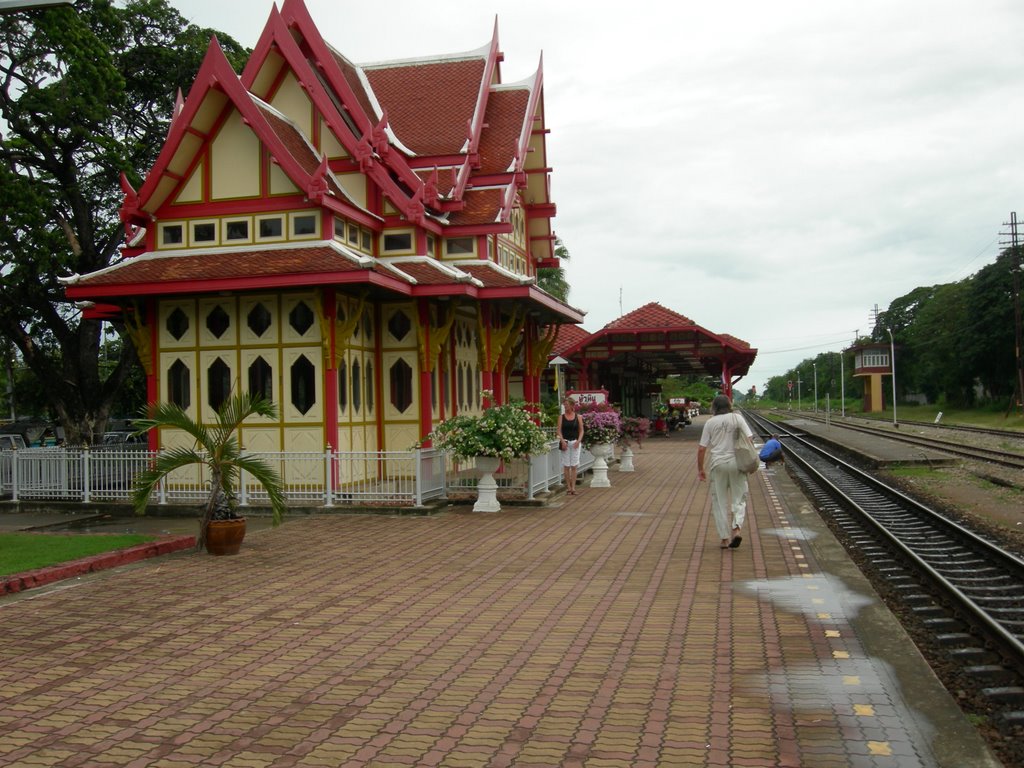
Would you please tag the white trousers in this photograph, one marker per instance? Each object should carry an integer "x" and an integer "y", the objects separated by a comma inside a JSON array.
[{"x": 728, "y": 498}]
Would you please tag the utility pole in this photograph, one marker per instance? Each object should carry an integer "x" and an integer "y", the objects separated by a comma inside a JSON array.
[
  {"x": 1016, "y": 310},
  {"x": 1015, "y": 267}
]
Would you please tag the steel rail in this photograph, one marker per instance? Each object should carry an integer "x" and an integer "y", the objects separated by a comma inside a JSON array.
[
  {"x": 1003, "y": 458},
  {"x": 1008, "y": 639}
]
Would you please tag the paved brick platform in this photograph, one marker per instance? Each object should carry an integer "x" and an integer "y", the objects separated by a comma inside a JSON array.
[{"x": 606, "y": 630}]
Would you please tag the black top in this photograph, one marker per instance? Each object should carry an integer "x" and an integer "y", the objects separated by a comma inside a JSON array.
[{"x": 570, "y": 429}]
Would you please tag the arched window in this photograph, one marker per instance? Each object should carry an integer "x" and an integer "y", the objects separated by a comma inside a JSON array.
[
  {"x": 343, "y": 386},
  {"x": 261, "y": 379},
  {"x": 401, "y": 385},
  {"x": 218, "y": 383},
  {"x": 357, "y": 390},
  {"x": 303, "y": 375},
  {"x": 179, "y": 385}
]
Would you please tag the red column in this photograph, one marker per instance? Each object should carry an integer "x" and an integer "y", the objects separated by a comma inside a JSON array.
[
  {"x": 330, "y": 310},
  {"x": 152, "y": 378},
  {"x": 487, "y": 378}
]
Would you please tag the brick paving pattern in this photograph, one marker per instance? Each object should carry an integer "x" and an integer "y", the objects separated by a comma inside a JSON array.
[{"x": 607, "y": 630}]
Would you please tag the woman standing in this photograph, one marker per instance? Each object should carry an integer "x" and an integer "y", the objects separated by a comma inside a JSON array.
[
  {"x": 570, "y": 438},
  {"x": 728, "y": 484}
]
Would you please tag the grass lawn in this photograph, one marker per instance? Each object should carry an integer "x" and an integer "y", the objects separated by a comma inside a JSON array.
[{"x": 21, "y": 552}]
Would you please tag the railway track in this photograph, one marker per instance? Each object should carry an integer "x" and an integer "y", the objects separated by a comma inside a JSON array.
[
  {"x": 960, "y": 595},
  {"x": 1013, "y": 459},
  {"x": 1008, "y": 434}
]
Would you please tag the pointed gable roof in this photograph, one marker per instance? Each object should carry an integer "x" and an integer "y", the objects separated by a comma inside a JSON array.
[
  {"x": 430, "y": 103},
  {"x": 216, "y": 91},
  {"x": 648, "y": 317},
  {"x": 666, "y": 340}
]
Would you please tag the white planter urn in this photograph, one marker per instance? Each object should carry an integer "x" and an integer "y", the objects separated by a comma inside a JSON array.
[
  {"x": 487, "y": 486},
  {"x": 602, "y": 452},
  {"x": 626, "y": 460}
]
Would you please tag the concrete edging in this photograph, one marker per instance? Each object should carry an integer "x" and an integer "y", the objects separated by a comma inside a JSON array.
[{"x": 19, "y": 582}]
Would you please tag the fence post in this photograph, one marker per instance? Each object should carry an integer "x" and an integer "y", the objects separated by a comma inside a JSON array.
[
  {"x": 417, "y": 490},
  {"x": 14, "y": 474},
  {"x": 329, "y": 477},
  {"x": 243, "y": 494},
  {"x": 86, "y": 474},
  {"x": 529, "y": 477}
]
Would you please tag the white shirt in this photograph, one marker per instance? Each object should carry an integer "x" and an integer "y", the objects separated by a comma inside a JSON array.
[{"x": 719, "y": 437}]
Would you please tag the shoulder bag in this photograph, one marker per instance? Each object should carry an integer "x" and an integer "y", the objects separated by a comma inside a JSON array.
[{"x": 746, "y": 456}]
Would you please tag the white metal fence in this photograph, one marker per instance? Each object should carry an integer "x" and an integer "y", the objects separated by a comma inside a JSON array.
[{"x": 371, "y": 478}]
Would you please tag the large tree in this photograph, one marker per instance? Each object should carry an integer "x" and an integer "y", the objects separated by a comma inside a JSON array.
[{"x": 85, "y": 94}]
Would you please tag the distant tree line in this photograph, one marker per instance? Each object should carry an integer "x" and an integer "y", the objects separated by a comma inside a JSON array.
[{"x": 955, "y": 344}]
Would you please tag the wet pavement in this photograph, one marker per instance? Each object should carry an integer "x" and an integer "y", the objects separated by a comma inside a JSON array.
[{"x": 607, "y": 629}]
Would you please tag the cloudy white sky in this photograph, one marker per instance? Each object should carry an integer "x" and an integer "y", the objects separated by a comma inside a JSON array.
[{"x": 771, "y": 170}]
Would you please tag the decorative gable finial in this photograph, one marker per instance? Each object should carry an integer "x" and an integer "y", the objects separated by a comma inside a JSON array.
[
  {"x": 379, "y": 135},
  {"x": 130, "y": 207},
  {"x": 179, "y": 107},
  {"x": 430, "y": 188},
  {"x": 318, "y": 186}
]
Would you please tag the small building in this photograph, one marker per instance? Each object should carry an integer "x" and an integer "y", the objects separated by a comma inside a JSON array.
[
  {"x": 872, "y": 362},
  {"x": 632, "y": 352},
  {"x": 357, "y": 243}
]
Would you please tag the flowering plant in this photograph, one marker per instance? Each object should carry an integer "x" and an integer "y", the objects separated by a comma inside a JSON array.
[
  {"x": 601, "y": 424},
  {"x": 635, "y": 429},
  {"x": 503, "y": 431}
]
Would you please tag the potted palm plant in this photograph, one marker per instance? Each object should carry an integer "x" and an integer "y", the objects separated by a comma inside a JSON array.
[{"x": 217, "y": 448}]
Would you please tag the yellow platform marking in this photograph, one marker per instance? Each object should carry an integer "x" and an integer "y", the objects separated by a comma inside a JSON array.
[
  {"x": 840, "y": 655},
  {"x": 879, "y": 748},
  {"x": 864, "y": 710},
  {"x": 853, "y": 680}
]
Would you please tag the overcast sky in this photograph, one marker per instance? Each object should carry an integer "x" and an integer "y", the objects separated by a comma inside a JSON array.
[{"x": 771, "y": 170}]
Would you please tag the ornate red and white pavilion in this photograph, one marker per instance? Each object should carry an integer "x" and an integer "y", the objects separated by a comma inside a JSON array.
[
  {"x": 628, "y": 355},
  {"x": 358, "y": 243}
]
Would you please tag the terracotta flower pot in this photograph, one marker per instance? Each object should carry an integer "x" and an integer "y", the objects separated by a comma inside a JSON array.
[{"x": 224, "y": 537}]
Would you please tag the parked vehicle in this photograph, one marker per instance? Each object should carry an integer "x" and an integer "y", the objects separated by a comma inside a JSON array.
[{"x": 11, "y": 442}]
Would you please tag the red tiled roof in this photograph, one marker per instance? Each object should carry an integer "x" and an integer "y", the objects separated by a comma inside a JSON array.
[
  {"x": 736, "y": 342},
  {"x": 429, "y": 104},
  {"x": 482, "y": 207},
  {"x": 427, "y": 272},
  {"x": 224, "y": 266},
  {"x": 348, "y": 71},
  {"x": 445, "y": 179},
  {"x": 651, "y": 315},
  {"x": 568, "y": 336},
  {"x": 503, "y": 121},
  {"x": 488, "y": 273}
]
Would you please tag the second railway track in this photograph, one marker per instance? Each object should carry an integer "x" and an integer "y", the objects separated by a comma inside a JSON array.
[{"x": 962, "y": 594}]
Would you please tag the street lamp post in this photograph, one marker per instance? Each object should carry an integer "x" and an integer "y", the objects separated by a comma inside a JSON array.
[
  {"x": 842, "y": 386},
  {"x": 815, "y": 365},
  {"x": 892, "y": 365},
  {"x": 557, "y": 363}
]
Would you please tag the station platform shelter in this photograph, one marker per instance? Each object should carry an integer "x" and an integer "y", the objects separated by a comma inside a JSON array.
[
  {"x": 602, "y": 629},
  {"x": 626, "y": 357}
]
